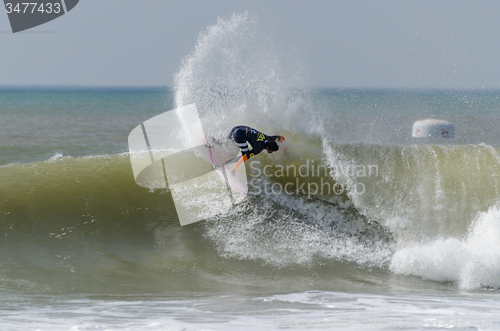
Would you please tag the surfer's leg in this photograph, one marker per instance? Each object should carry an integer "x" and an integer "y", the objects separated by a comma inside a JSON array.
[{"x": 240, "y": 140}]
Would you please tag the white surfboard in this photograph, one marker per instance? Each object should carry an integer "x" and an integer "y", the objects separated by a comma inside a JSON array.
[{"x": 223, "y": 162}]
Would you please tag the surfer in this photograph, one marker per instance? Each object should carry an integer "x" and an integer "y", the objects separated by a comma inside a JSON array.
[{"x": 259, "y": 141}]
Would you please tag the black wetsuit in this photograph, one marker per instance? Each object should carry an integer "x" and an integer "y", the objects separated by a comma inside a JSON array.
[{"x": 241, "y": 134}]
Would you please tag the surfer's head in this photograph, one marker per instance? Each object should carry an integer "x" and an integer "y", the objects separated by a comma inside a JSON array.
[{"x": 271, "y": 146}]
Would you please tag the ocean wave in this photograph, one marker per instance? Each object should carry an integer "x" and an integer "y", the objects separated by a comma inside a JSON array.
[{"x": 82, "y": 222}]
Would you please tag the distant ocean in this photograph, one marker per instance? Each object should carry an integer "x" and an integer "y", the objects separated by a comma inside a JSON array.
[{"x": 409, "y": 238}]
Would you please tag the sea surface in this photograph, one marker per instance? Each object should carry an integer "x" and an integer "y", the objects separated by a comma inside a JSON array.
[{"x": 376, "y": 230}]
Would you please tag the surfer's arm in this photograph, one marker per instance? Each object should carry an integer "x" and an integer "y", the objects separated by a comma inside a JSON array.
[
  {"x": 240, "y": 161},
  {"x": 246, "y": 156}
]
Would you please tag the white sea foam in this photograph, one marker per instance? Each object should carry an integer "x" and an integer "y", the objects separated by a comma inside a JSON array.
[
  {"x": 471, "y": 262},
  {"x": 313, "y": 310},
  {"x": 238, "y": 74},
  {"x": 55, "y": 157}
]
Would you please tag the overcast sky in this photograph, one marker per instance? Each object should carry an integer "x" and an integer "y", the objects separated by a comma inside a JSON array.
[{"x": 368, "y": 43}]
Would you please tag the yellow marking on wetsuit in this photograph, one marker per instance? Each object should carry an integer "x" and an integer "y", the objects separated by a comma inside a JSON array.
[{"x": 261, "y": 137}]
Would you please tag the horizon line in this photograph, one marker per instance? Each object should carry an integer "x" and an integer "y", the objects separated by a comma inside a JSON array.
[{"x": 166, "y": 87}]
